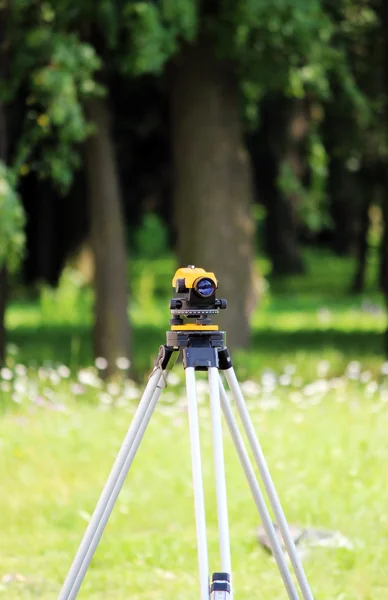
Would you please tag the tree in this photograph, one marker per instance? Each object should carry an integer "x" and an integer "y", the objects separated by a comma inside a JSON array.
[
  {"x": 52, "y": 74},
  {"x": 11, "y": 218},
  {"x": 212, "y": 179},
  {"x": 279, "y": 156},
  {"x": 221, "y": 55},
  {"x": 111, "y": 334},
  {"x": 352, "y": 123}
]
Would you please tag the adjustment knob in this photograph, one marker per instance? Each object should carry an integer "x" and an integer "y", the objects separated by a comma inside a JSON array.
[
  {"x": 180, "y": 286},
  {"x": 221, "y": 303},
  {"x": 174, "y": 304}
]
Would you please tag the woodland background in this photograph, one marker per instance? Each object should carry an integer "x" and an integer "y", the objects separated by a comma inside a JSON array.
[{"x": 229, "y": 134}]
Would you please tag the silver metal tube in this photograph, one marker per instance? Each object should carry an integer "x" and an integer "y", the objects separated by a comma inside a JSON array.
[
  {"x": 257, "y": 495},
  {"x": 115, "y": 493},
  {"x": 199, "y": 500},
  {"x": 268, "y": 483},
  {"x": 110, "y": 484},
  {"x": 219, "y": 466}
]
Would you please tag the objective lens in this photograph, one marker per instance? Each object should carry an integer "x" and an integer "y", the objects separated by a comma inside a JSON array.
[{"x": 204, "y": 287}]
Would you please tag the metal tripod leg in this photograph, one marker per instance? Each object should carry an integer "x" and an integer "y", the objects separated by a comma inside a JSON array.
[
  {"x": 114, "y": 483},
  {"x": 219, "y": 465},
  {"x": 257, "y": 495},
  {"x": 199, "y": 501},
  {"x": 268, "y": 483}
]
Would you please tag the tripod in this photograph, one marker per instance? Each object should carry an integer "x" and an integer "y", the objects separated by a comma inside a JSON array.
[{"x": 203, "y": 349}]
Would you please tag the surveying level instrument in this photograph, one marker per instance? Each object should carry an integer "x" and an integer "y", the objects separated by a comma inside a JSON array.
[{"x": 203, "y": 348}]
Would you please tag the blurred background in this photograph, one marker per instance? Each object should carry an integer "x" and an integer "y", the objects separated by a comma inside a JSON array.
[{"x": 245, "y": 137}]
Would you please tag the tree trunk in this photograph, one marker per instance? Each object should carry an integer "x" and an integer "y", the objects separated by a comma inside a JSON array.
[
  {"x": 384, "y": 247},
  {"x": 281, "y": 136},
  {"x": 345, "y": 201},
  {"x": 362, "y": 242},
  {"x": 4, "y": 8},
  {"x": 3, "y": 306},
  {"x": 3, "y": 270},
  {"x": 362, "y": 251},
  {"x": 213, "y": 190},
  {"x": 111, "y": 327}
]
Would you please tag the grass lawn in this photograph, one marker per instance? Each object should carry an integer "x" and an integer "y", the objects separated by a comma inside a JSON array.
[{"x": 317, "y": 387}]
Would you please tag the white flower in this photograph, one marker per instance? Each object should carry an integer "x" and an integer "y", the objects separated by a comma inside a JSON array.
[
  {"x": 173, "y": 379},
  {"x": 101, "y": 363},
  {"x": 353, "y": 369},
  {"x": 285, "y": 379},
  {"x": 77, "y": 389},
  {"x": 16, "y": 398},
  {"x": 384, "y": 368},
  {"x": 132, "y": 393},
  {"x": 202, "y": 387},
  {"x": 323, "y": 368},
  {"x": 54, "y": 377},
  {"x": 268, "y": 380},
  {"x": 88, "y": 378},
  {"x": 320, "y": 386},
  {"x": 6, "y": 374},
  {"x": 113, "y": 389},
  {"x": 123, "y": 363},
  {"x": 21, "y": 370},
  {"x": 106, "y": 398},
  {"x": 250, "y": 388},
  {"x": 269, "y": 404},
  {"x": 365, "y": 376},
  {"x": 20, "y": 387},
  {"x": 63, "y": 371},
  {"x": 371, "y": 388}
]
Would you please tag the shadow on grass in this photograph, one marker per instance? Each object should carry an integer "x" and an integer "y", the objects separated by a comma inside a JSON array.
[
  {"x": 72, "y": 345},
  {"x": 349, "y": 343}
]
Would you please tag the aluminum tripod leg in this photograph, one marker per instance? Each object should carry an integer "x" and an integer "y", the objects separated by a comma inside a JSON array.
[
  {"x": 115, "y": 493},
  {"x": 199, "y": 501},
  {"x": 80, "y": 565},
  {"x": 268, "y": 483},
  {"x": 257, "y": 495},
  {"x": 219, "y": 465}
]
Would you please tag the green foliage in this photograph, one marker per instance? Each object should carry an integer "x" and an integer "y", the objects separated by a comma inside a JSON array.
[
  {"x": 155, "y": 31},
  {"x": 151, "y": 238},
  {"x": 11, "y": 221},
  {"x": 310, "y": 198},
  {"x": 55, "y": 122},
  {"x": 267, "y": 39},
  {"x": 72, "y": 295},
  {"x": 55, "y": 71}
]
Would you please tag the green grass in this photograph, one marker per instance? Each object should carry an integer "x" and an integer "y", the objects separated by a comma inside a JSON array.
[
  {"x": 316, "y": 384},
  {"x": 327, "y": 453}
]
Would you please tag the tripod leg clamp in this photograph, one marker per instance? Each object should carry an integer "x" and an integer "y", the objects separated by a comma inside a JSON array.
[{"x": 201, "y": 358}]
